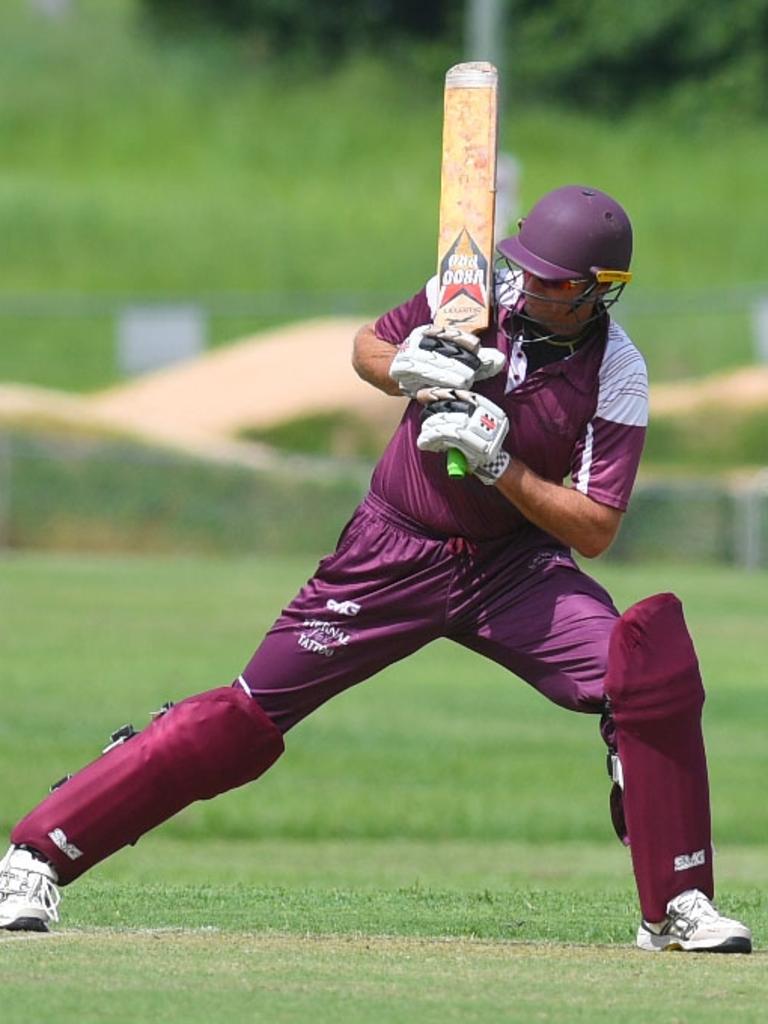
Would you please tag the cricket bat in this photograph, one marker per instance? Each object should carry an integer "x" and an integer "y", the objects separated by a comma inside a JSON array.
[{"x": 467, "y": 204}]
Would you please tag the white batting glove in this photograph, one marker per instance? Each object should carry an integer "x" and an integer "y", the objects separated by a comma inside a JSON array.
[
  {"x": 444, "y": 357},
  {"x": 467, "y": 421}
]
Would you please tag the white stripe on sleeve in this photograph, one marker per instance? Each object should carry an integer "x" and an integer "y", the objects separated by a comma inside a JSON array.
[{"x": 586, "y": 460}]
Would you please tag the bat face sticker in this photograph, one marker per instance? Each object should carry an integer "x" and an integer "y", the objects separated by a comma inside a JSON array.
[{"x": 463, "y": 277}]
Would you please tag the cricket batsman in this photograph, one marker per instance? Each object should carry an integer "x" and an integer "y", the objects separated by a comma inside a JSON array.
[{"x": 553, "y": 391}]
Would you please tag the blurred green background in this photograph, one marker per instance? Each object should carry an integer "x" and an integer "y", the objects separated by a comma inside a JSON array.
[
  {"x": 289, "y": 156},
  {"x": 273, "y": 160}
]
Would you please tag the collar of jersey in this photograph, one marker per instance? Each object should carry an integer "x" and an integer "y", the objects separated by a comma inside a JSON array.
[{"x": 569, "y": 367}]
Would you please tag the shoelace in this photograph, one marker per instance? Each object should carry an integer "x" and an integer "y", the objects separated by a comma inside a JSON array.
[{"x": 695, "y": 905}]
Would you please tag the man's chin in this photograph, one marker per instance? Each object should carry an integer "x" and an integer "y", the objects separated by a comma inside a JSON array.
[{"x": 561, "y": 330}]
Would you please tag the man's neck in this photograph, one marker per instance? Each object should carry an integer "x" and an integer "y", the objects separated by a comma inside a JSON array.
[{"x": 542, "y": 347}]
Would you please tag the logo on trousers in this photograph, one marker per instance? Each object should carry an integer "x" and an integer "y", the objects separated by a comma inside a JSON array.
[
  {"x": 690, "y": 860},
  {"x": 322, "y": 637},
  {"x": 342, "y": 607},
  {"x": 59, "y": 838}
]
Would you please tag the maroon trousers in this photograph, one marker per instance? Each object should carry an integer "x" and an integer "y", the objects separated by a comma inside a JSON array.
[{"x": 388, "y": 590}]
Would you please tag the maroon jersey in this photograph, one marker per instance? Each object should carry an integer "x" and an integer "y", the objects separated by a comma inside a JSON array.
[{"x": 583, "y": 417}]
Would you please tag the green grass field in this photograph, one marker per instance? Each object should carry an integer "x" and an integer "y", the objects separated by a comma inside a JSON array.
[{"x": 433, "y": 846}]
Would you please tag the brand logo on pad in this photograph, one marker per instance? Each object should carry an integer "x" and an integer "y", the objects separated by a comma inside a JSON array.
[
  {"x": 59, "y": 838},
  {"x": 690, "y": 860}
]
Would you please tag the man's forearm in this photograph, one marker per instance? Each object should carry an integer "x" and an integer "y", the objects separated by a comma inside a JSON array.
[
  {"x": 372, "y": 358},
  {"x": 568, "y": 515}
]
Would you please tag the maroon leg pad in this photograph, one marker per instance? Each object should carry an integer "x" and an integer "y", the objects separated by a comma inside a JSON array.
[
  {"x": 656, "y": 693},
  {"x": 203, "y": 746}
]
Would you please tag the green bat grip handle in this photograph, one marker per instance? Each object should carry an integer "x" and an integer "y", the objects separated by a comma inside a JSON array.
[{"x": 456, "y": 463}]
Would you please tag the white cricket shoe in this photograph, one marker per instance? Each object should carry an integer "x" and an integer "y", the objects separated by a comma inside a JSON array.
[
  {"x": 694, "y": 925},
  {"x": 29, "y": 899}
]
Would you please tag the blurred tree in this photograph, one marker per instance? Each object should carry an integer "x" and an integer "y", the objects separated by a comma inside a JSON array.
[
  {"x": 329, "y": 27},
  {"x": 686, "y": 55},
  {"x": 604, "y": 55}
]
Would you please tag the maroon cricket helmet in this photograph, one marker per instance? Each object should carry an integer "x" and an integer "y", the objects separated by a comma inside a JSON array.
[{"x": 572, "y": 232}]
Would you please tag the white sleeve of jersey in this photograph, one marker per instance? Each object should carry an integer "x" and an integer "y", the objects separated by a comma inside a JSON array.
[{"x": 623, "y": 382}]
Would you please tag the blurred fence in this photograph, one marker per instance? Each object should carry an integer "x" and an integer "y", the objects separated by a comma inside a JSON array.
[
  {"x": 78, "y": 494},
  {"x": 697, "y": 521},
  {"x": 86, "y": 494},
  {"x": 77, "y": 341}
]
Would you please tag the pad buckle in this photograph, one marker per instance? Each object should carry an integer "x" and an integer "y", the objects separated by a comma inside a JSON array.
[
  {"x": 615, "y": 770},
  {"x": 154, "y": 715},
  {"x": 60, "y": 782},
  {"x": 119, "y": 736}
]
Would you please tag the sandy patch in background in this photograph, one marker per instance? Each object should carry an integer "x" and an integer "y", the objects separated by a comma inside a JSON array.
[{"x": 276, "y": 377}]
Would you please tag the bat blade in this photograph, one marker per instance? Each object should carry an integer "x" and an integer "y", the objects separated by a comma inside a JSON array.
[
  {"x": 467, "y": 196},
  {"x": 467, "y": 205}
]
